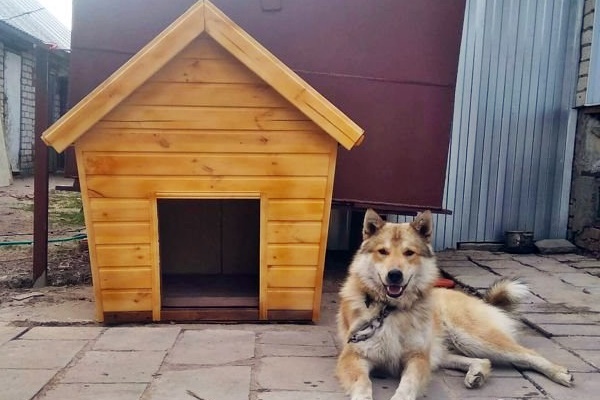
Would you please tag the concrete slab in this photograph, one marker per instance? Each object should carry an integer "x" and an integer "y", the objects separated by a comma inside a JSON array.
[
  {"x": 587, "y": 386},
  {"x": 476, "y": 282},
  {"x": 63, "y": 332},
  {"x": 453, "y": 263},
  {"x": 295, "y": 395},
  {"x": 502, "y": 264},
  {"x": 567, "y": 258},
  {"x": 562, "y": 318},
  {"x": 8, "y": 333},
  {"x": 23, "y": 384},
  {"x": 283, "y": 350},
  {"x": 212, "y": 347},
  {"x": 148, "y": 338},
  {"x": 496, "y": 387},
  {"x": 451, "y": 255},
  {"x": 95, "y": 391},
  {"x": 309, "y": 374},
  {"x": 579, "y": 342},
  {"x": 580, "y": 279},
  {"x": 114, "y": 367},
  {"x": 71, "y": 312},
  {"x": 570, "y": 329},
  {"x": 587, "y": 263},
  {"x": 321, "y": 337},
  {"x": 555, "y": 353},
  {"x": 592, "y": 271},
  {"x": 222, "y": 383},
  {"x": 486, "y": 255},
  {"x": 555, "y": 246},
  {"x": 39, "y": 354},
  {"x": 473, "y": 270},
  {"x": 590, "y": 356}
]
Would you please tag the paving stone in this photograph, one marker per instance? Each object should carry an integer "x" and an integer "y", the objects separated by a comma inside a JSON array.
[
  {"x": 212, "y": 347},
  {"x": 579, "y": 342},
  {"x": 222, "y": 383},
  {"x": 473, "y": 270},
  {"x": 137, "y": 338},
  {"x": 115, "y": 367},
  {"x": 553, "y": 246},
  {"x": 530, "y": 259},
  {"x": 477, "y": 282},
  {"x": 587, "y": 264},
  {"x": 553, "y": 352},
  {"x": 456, "y": 263},
  {"x": 309, "y": 374},
  {"x": 314, "y": 338},
  {"x": 565, "y": 258},
  {"x": 281, "y": 350},
  {"x": 579, "y": 279},
  {"x": 451, "y": 255},
  {"x": 487, "y": 255},
  {"x": 502, "y": 264},
  {"x": 63, "y": 332},
  {"x": 95, "y": 391},
  {"x": 590, "y": 356},
  {"x": 592, "y": 271},
  {"x": 496, "y": 387},
  {"x": 561, "y": 318},
  {"x": 295, "y": 395},
  {"x": 570, "y": 329},
  {"x": 586, "y": 387},
  {"x": 8, "y": 333},
  {"x": 42, "y": 354},
  {"x": 504, "y": 370},
  {"x": 544, "y": 307},
  {"x": 23, "y": 384}
]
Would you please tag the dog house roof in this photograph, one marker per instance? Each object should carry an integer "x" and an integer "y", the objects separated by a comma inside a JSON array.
[{"x": 201, "y": 17}]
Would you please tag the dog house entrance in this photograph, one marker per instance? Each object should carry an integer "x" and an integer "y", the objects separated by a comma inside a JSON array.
[{"x": 209, "y": 252}]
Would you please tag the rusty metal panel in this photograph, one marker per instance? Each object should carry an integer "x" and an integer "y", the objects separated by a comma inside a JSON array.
[{"x": 389, "y": 65}]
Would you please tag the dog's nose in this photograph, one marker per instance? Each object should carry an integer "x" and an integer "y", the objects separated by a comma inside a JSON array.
[{"x": 395, "y": 276}]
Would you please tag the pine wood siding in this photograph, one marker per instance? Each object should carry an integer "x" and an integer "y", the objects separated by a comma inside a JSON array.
[{"x": 206, "y": 124}]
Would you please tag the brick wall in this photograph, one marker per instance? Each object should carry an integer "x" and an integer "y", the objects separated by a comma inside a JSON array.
[
  {"x": 2, "y": 82},
  {"x": 584, "y": 206},
  {"x": 586, "y": 41},
  {"x": 27, "y": 112}
]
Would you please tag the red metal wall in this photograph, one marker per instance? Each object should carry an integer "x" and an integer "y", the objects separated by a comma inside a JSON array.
[{"x": 388, "y": 64}]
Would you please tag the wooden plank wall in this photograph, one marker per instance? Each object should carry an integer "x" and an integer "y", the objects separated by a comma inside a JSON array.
[{"x": 205, "y": 123}]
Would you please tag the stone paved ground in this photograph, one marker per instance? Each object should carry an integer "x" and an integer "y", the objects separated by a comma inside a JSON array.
[{"x": 289, "y": 362}]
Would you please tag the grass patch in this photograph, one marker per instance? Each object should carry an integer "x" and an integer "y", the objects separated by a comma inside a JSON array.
[{"x": 66, "y": 208}]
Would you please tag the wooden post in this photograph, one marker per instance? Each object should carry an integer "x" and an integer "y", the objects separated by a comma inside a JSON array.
[{"x": 40, "y": 186}]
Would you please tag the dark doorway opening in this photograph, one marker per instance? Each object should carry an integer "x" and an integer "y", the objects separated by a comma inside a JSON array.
[{"x": 209, "y": 253}]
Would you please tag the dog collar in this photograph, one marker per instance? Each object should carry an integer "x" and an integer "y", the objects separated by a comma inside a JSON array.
[{"x": 368, "y": 328}]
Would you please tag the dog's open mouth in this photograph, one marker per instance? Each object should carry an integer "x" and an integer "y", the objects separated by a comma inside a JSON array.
[{"x": 396, "y": 291}]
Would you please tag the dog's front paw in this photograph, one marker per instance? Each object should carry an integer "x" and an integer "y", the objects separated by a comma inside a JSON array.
[
  {"x": 564, "y": 377},
  {"x": 478, "y": 373}
]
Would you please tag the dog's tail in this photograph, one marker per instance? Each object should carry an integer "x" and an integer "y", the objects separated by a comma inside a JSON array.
[{"x": 506, "y": 294}]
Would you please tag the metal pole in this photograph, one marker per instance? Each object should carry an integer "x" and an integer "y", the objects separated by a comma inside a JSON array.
[{"x": 41, "y": 180}]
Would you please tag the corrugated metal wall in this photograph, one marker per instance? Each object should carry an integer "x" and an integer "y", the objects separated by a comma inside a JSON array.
[{"x": 511, "y": 150}]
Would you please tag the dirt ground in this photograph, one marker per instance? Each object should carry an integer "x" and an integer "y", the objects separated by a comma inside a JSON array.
[{"x": 68, "y": 259}]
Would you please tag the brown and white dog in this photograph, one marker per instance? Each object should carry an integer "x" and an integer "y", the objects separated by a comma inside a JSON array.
[{"x": 392, "y": 319}]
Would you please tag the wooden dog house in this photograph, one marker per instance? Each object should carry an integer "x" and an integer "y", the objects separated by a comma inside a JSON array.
[{"x": 206, "y": 169}]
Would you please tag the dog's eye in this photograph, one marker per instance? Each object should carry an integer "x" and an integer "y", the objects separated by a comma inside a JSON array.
[
  {"x": 383, "y": 251},
  {"x": 408, "y": 253}
]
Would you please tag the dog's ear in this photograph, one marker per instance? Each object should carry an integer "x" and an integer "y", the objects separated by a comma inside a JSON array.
[
  {"x": 423, "y": 224},
  {"x": 373, "y": 222}
]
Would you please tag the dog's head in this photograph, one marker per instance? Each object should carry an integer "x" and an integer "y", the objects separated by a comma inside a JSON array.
[{"x": 396, "y": 261}]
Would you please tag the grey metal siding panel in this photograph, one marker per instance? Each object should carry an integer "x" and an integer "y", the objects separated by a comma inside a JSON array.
[{"x": 512, "y": 140}]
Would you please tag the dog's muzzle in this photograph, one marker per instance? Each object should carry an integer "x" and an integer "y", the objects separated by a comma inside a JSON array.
[{"x": 393, "y": 286}]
